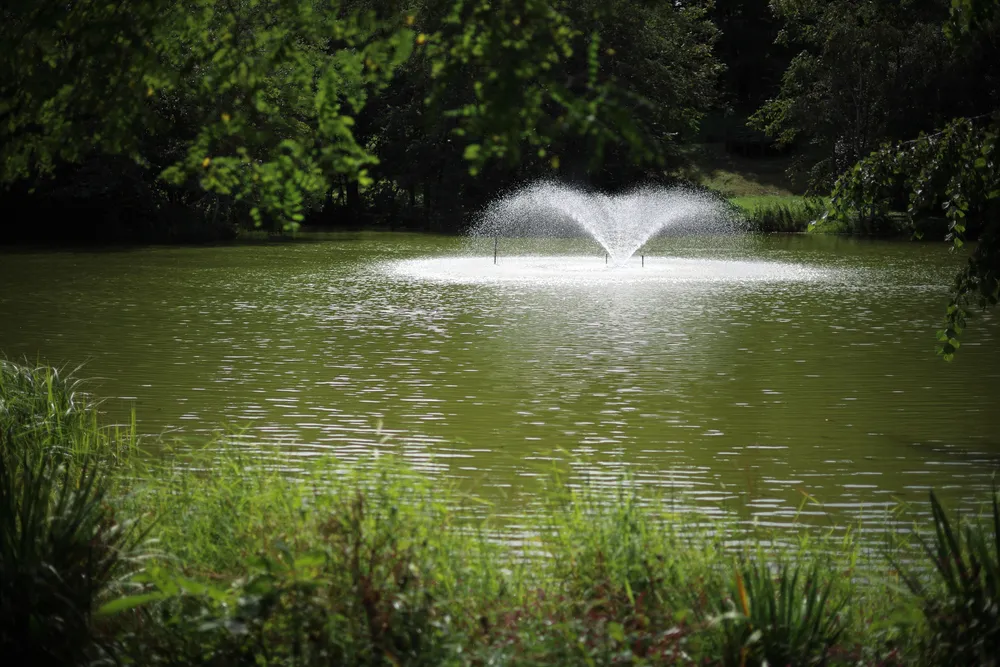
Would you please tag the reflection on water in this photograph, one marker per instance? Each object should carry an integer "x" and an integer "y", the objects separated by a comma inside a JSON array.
[{"x": 807, "y": 368}]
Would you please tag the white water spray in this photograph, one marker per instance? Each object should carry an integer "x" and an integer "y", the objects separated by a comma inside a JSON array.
[{"x": 622, "y": 224}]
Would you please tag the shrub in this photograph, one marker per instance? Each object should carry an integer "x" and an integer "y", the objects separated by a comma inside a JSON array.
[
  {"x": 961, "y": 605},
  {"x": 61, "y": 547},
  {"x": 787, "y": 618}
]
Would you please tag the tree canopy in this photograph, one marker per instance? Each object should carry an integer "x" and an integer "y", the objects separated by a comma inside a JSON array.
[
  {"x": 268, "y": 105},
  {"x": 953, "y": 171}
]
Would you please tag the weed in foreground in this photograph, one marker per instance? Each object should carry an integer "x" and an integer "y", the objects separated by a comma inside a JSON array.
[
  {"x": 61, "y": 546},
  {"x": 787, "y": 617},
  {"x": 961, "y": 603},
  {"x": 61, "y": 551},
  {"x": 266, "y": 558}
]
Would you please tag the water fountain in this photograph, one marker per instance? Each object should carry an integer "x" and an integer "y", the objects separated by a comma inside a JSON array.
[
  {"x": 621, "y": 224},
  {"x": 546, "y": 215}
]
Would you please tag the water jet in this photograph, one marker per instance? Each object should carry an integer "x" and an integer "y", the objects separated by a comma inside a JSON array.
[
  {"x": 621, "y": 224},
  {"x": 544, "y": 215}
]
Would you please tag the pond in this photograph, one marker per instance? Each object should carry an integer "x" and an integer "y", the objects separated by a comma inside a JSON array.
[{"x": 810, "y": 372}]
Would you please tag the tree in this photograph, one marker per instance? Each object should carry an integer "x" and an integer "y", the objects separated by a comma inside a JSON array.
[
  {"x": 643, "y": 70},
  {"x": 866, "y": 72},
  {"x": 955, "y": 170},
  {"x": 661, "y": 70},
  {"x": 746, "y": 45},
  {"x": 257, "y": 101},
  {"x": 249, "y": 100}
]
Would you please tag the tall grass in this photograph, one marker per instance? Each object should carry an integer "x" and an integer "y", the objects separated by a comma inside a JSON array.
[
  {"x": 261, "y": 557},
  {"x": 61, "y": 546},
  {"x": 790, "y": 213},
  {"x": 960, "y": 600},
  {"x": 390, "y": 566},
  {"x": 43, "y": 408},
  {"x": 779, "y": 214},
  {"x": 307, "y": 562}
]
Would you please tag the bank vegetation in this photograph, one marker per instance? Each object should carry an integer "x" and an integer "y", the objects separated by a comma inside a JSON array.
[{"x": 120, "y": 550}]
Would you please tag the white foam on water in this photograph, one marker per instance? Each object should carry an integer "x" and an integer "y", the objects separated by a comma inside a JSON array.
[{"x": 576, "y": 270}]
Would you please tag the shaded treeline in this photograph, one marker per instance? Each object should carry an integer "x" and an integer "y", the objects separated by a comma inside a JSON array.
[
  {"x": 145, "y": 121},
  {"x": 471, "y": 100}
]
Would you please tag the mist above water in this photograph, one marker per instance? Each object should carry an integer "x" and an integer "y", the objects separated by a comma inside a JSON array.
[{"x": 621, "y": 224}]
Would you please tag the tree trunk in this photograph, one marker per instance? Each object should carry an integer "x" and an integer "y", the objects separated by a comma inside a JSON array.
[
  {"x": 354, "y": 212},
  {"x": 427, "y": 206}
]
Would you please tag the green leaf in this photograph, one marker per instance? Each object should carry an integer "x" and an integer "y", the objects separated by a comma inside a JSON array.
[
  {"x": 472, "y": 152},
  {"x": 130, "y": 602}
]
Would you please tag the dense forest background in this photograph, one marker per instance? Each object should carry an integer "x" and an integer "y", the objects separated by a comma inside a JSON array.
[{"x": 143, "y": 120}]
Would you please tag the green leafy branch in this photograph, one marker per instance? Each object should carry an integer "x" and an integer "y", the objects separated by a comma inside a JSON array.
[{"x": 954, "y": 172}]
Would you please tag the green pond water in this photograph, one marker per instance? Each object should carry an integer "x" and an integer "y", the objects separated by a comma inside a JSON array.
[{"x": 720, "y": 380}]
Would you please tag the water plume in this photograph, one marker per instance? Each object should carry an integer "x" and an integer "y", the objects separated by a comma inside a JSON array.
[{"x": 621, "y": 224}]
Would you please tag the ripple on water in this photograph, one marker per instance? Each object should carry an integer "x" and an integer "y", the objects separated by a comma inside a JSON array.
[{"x": 802, "y": 366}]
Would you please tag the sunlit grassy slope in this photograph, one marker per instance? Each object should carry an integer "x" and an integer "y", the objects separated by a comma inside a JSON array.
[
  {"x": 734, "y": 175},
  {"x": 762, "y": 187}
]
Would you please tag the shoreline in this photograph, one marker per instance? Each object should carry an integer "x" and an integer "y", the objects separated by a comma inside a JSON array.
[{"x": 378, "y": 564}]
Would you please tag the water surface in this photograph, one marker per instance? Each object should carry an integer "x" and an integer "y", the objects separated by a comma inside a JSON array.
[{"x": 809, "y": 368}]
